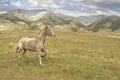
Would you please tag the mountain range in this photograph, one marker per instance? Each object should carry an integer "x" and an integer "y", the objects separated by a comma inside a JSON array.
[
  {"x": 87, "y": 20},
  {"x": 35, "y": 19},
  {"x": 109, "y": 24}
]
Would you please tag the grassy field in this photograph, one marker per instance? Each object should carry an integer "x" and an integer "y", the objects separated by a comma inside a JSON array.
[{"x": 72, "y": 56}]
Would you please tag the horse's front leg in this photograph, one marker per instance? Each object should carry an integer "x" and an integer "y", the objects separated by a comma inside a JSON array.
[
  {"x": 40, "y": 59},
  {"x": 45, "y": 51}
]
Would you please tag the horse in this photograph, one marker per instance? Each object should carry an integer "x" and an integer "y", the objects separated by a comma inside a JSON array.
[{"x": 35, "y": 44}]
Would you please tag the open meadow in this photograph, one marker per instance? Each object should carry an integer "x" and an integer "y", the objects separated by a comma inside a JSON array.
[{"x": 71, "y": 56}]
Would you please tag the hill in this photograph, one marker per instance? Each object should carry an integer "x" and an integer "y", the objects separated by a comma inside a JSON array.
[
  {"x": 10, "y": 21},
  {"x": 35, "y": 19},
  {"x": 59, "y": 21},
  {"x": 110, "y": 24},
  {"x": 86, "y": 20}
]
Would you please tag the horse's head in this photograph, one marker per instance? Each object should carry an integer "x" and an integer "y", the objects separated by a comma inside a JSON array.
[{"x": 49, "y": 31}]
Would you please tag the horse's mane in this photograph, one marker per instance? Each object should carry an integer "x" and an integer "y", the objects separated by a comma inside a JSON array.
[{"x": 38, "y": 33}]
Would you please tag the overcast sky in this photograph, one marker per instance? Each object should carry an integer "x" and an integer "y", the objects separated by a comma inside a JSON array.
[{"x": 69, "y": 7}]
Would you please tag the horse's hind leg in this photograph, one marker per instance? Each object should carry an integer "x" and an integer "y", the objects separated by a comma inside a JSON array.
[
  {"x": 20, "y": 50},
  {"x": 24, "y": 51},
  {"x": 17, "y": 49},
  {"x": 43, "y": 50},
  {"x": 20, "y": 53}
]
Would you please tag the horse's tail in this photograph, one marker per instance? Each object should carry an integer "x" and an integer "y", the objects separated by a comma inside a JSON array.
[
  {"x": 20, "y": 45},
  {"x": 17, "y": 49}
]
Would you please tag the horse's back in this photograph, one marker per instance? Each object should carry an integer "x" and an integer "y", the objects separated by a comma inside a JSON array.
[
  {"x": 28, "y": 43},
  {"x": 23, "y": 40}
]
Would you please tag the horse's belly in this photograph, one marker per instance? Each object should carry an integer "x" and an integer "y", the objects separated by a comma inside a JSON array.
[
  {"x": 32, "y": 50},
  {"x": 30, "y": 47}
]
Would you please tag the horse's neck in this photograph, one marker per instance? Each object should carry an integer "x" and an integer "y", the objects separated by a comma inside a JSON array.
[{"x": 41, "y": 37}]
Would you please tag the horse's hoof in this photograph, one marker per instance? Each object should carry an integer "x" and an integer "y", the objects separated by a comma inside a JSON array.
[{"x": 41, "y": 64}]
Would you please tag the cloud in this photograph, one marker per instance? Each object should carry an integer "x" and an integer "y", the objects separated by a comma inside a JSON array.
[
  {"x": 74, "y": 13},
  {"x": 107, "y": 12},
  {"x": 6, "y": 6},
  {"x": 54, "y": 5},
  {"x": 33, "y": 3},
  {"x": 77, "y": 0},
  {"x": 43, "y": 4},
  {"x": 110, "y": 7},
  {"x": 18, "y": 4},
  {"x": 3, "y": 12},
  {"x": 70, "y": 7},
  {"x": 109, "y": 4},
  {"x": 93, "y": 7}
]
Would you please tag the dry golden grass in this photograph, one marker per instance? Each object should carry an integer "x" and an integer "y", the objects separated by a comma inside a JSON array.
[{"x": 72, "y": 56}]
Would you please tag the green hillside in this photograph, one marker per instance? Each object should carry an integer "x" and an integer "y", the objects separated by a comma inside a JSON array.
[
  {"x": 49, "y": 18},
  {"x": 111, "y": 23}
]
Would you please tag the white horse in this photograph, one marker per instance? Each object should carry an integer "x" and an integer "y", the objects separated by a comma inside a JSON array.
[{"x": 35, "y": 44}]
